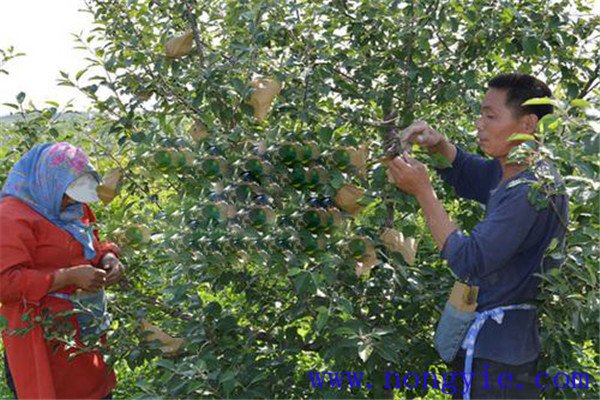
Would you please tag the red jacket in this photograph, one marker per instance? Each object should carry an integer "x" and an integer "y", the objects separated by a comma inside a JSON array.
[{"x": 31, "y": 249}]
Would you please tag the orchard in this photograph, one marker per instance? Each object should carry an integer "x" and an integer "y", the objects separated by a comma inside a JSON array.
[{"x": 243, "y": 148}]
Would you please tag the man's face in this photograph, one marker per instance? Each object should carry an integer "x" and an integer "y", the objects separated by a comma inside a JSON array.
[{"x": 497, "y": 122}]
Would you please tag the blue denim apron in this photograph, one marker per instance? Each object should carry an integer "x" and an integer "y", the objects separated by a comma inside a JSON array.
[
  {"x": 459, "y": 329},
  {"x": 90, "y": 310}
]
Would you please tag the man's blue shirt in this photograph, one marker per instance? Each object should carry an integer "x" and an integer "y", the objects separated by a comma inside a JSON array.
[{"x": 503, "y": 252}]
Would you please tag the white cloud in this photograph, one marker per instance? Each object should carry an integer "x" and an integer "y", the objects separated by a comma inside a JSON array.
[{"x": 42, "y": 29}]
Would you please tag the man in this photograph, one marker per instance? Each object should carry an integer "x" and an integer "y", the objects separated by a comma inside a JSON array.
[{"x": 505, "y": 250}]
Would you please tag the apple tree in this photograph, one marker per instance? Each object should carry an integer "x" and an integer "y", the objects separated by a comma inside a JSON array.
[{"x": 248, "y": 141}]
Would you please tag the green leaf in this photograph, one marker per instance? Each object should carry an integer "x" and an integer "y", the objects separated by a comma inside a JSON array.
[
  {"x": 345, "y": 331},
  {"x": 530, "y": 45},
  {"x": 365, "y": 350},
  {"x": 304, "y": 283},
  {"x": 337, "y": 179},
  {"x": 580, "y": 103},
  {"x": 21, "y": 97},
  {"x": 25, "y": 318},
  {"x": 79, "y": 74},
  {"x": 382, "y": 331},
  {"x": 144, "y": 385},
  {"x": 538, "y": 101},
  {"x": 552, "y": 246},
  {"x": 520, "y": 137},
  {"x": 439, "y": 161},
  {"x": 322, "y": 317},
  {"x": 549, "y": 123},
  {"x": 227, "y": 379},
  {"x": 521, "y": 153},
  {"x": 345, "y": 305},
  {"x": 3, "y": 323},
  {"x": 507, "y": 16},
  {"x": 11, "y": 105},
  {"x": 517, "y": 182},
  {"x": 537, "y": 199},
  {"x": 386, "y": 354},
  {"x": 471, "y": 78},
  {"x": 167, "y": 364}
]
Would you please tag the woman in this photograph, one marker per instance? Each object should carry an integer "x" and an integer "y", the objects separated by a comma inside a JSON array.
[
  {"x": 52, "y": 262},
  {"x": 504, "y": 253}
]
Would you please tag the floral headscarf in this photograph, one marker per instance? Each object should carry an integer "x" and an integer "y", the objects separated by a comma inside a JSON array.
[{"x": 40, "y": 179}]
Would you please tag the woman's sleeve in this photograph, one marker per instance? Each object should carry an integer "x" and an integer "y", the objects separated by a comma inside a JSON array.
[
  {"x": 105, "y": 247},
  {"x": 495, "y": 240},
  {"x": 19, "y": 281},
  {"x": 472, "y": 176}
]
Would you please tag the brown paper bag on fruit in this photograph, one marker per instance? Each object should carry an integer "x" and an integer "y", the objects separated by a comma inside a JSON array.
[
  {"x": 464, "y": 297},
  {"x": 265, "y": 90},
  {"x": 395, "y": 241},
  {"x": 367, "y": 261},
  {"x": 188, "y": 156},
  {"x": 179, "y": 46},
  {"x": 170, "y": 346},
  {"x": 358, "y": 158},
  {"x": 107, "y": 190},
  {"x": 346, "y": 198},
  {"x": 198, "y": 131}
]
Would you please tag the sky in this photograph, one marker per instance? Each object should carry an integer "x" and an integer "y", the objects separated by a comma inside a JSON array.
[{"x": 42, "y": 29}]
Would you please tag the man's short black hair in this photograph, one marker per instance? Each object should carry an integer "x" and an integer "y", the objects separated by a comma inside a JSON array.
[{"x": 520, "y": 88}]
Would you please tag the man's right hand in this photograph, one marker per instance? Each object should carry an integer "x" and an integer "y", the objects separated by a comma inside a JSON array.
[{"x": 84, "y": 276}]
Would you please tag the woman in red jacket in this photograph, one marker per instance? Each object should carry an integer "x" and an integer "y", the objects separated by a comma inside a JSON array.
[{"x": 51, "y": 262}]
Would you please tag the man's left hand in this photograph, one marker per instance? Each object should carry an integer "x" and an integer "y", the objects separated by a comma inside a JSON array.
[
  {"x": 410, "y": 175},
  {"x": 113, "y": 267}
]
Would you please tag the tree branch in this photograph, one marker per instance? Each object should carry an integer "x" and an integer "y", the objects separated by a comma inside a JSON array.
[
  {"x": 591, "y": 83},
  {"x": 189, "y": 14},
  {"x": 165, "y": 88}
]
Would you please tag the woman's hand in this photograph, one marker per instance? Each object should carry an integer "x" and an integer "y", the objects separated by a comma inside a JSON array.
[
  {"x": 410, "y": 175},
  {"x": 114, "y": 268},
  {"x": 86, "y": 277}
]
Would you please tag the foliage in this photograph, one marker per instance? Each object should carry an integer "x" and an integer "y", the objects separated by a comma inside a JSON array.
[
  {"x": 6, "y": 56},
  {"x": 247, "y": 259}
]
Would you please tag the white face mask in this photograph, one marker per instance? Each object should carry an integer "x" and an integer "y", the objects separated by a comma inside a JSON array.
[{"x": 83, "y": 189}]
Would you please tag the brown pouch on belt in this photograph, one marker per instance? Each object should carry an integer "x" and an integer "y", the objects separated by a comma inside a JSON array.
[{"x": 464, "y": 297}]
